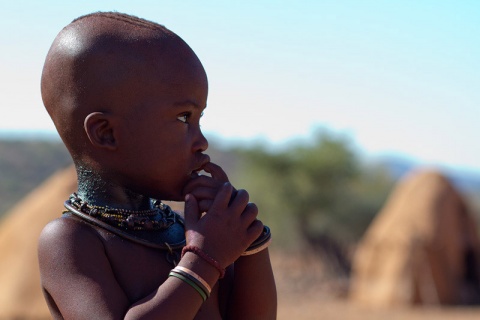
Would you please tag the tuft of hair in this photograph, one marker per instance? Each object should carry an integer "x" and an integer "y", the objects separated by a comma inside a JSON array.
[{"x": 127, "y": 18}]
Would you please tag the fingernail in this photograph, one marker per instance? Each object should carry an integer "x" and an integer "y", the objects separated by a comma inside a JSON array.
[{"x": 187, "y": 197}]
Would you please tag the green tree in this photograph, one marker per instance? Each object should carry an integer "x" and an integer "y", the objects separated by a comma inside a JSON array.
[{"x": 313, "y": 191}]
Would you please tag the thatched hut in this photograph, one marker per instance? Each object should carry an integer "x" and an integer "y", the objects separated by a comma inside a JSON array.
[
  {"x": 20, "y": 293},
  {"x": 422, "y": 248}
]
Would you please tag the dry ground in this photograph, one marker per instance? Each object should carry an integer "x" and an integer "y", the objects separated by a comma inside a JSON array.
[{"x": 305, "y": 294}]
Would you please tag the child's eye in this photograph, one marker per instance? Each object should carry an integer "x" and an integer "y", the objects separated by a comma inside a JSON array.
[{"x": 184, "y": 117}]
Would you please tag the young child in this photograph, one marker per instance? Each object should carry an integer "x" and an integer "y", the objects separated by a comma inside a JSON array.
[{"x": 126, "y": 96}]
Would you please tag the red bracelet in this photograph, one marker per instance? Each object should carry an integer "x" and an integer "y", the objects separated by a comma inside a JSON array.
[{"x": 199, "y": 252}]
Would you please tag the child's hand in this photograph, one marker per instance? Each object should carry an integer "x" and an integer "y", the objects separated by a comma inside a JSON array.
[
  {"x": 205, "y": 188},
  {"x": 228, "y": 227}
]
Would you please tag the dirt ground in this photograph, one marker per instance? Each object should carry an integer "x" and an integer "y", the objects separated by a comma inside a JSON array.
[{"x": 304, "y": 293}]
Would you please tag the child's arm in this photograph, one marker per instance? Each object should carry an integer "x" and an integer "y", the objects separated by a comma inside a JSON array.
[{"x": 254, "y": 294}]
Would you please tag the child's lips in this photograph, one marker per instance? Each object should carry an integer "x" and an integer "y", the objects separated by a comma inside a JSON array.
[
  {"x": 195, "y": 173},
  {"x": 204, "y": 159}
]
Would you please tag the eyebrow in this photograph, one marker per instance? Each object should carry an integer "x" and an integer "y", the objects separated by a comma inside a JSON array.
[{"x": 188, "y": 102}]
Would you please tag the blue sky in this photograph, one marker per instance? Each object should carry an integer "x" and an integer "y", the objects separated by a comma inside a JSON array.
[{"x": 397, "y": 77}]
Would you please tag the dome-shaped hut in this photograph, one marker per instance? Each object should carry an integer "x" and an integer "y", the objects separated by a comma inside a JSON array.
[{"x": 422, "y": 248}]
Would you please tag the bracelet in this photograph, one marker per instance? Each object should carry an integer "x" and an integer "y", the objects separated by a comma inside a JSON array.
[
  {"x": 199, "y": 252},
  {"x": 257, "y": 249},
  {"x": 190, "y": 274},
  {"x": 190, "y": 282},
  {"x": 262, "y": 242}
]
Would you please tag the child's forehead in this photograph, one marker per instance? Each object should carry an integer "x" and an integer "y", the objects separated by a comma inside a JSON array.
[
  {"x": 180, "y": 84},
  {"x": 110, "y": 57},
  {"x": 117, "y": 39},
  {"x": 171, "y": 58}
]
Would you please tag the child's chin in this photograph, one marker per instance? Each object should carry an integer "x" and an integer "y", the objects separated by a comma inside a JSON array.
[
  {"x": 176, "y": 199},
  {"x": 170, "y": 196},
  {"x": 178, "y": 196}
]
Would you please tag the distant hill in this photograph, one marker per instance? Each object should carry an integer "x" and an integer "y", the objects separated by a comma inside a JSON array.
[
  {"x": 463, "y": 179},
  {"x": 24, "y": 164}
]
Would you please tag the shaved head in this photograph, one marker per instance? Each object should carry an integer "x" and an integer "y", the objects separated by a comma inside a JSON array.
[{"x": 102, "y": 62}]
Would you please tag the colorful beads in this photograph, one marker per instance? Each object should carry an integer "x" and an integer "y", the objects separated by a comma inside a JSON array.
[{"x": 159, "y": 217}]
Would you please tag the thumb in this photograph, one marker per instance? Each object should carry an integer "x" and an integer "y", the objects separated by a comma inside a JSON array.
[{"x": 192, "y": 213}]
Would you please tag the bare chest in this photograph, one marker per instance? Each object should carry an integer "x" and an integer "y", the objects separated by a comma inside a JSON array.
[{"x": 141, "y": 270}]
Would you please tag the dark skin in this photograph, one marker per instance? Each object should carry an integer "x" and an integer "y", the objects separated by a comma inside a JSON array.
[{"x": 132, "y": 127}]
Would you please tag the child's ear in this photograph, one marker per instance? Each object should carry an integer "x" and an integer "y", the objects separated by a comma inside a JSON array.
[{"x": 100, "y": 130}]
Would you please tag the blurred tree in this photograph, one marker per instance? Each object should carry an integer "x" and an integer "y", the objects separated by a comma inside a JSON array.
[{"x": 316, "y": 194}]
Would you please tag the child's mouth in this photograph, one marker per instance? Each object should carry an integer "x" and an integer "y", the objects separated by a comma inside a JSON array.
[
  {"x": 201, "y": 164},
  {"x": 195, "y": 173},
  {"x": 199, "y": 172}
]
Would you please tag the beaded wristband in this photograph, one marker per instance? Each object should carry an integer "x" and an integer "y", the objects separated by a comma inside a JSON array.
[
  {"x": 190, "y": 282},
  {"x": 199, "y": 252},
  {"x": 183, "y": 270}
]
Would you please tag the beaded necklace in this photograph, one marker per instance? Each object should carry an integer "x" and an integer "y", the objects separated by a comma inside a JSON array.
[
  {"x": 159, "y": 217},
  {"x": 159, "y": 227}
]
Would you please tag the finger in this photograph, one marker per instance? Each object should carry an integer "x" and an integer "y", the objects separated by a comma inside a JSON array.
[
  {"x": 216, "y": 172},
  {"x": 222, "y": 198},
  {"x": 240, "y": 201},
  {"x": 204, "y": 193},
  {"x": 255, "y": 229},
  {"x": 192, "y": 213},
  {"x": 250, "y": 213},
  {"x": 200, "y": 181},
  {"x": 234, "y": 194},
  {"x": 204, "y": 205}
]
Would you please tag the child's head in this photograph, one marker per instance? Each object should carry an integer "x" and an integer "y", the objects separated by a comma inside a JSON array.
[{"x": 126, "y": 96}]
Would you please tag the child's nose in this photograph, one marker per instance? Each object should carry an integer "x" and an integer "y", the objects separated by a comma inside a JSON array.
[{"x": 201, "y": 143}]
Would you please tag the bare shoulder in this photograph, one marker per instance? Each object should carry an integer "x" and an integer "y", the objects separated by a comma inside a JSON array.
[
  {"x": 65, "y": 242},
  {"x": 67, "y": 228},
  {"x": 64, "y": 237},
  {"x": 73, "y": 263}
]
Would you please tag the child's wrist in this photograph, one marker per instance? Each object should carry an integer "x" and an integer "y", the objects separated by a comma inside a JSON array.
[
  {"x": 205, "y": 257},
  {"x": 193, "y": 279}
]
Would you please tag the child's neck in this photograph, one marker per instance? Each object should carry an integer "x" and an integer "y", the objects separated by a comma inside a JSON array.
[{"x": 95, "y": 190}]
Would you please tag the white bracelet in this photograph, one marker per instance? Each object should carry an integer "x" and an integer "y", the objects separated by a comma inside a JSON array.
[{"x": 256, "y": 250}]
